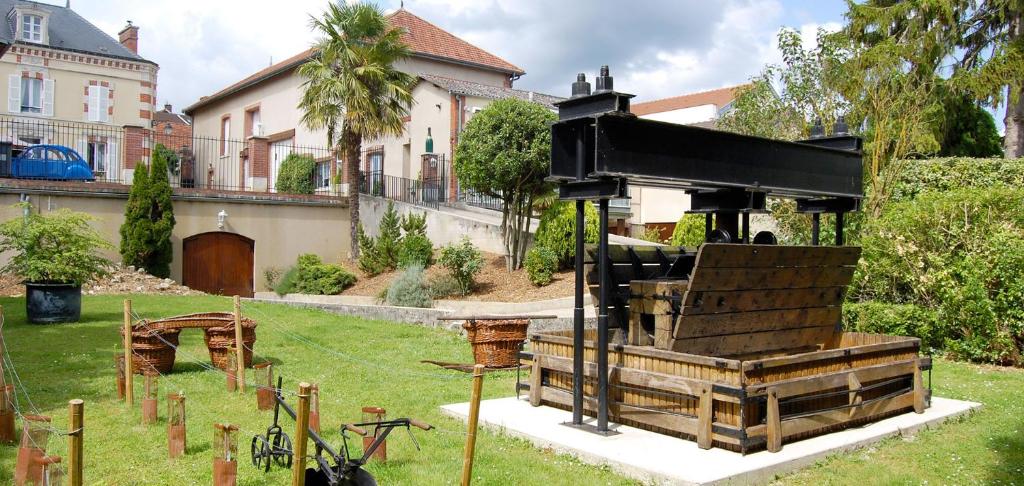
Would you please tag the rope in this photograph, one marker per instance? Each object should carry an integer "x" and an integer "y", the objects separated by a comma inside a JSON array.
[{"x": 19, "y": 385}]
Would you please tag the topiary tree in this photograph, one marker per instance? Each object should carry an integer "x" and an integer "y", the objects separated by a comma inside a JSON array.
[
  {"x": 161, "y": 216},
  {"x": 296, "y": 174},
  {"x": 557, "y": 230},
  {"x": 137, "y": 229},
  {"x": 504, "y": 152}
]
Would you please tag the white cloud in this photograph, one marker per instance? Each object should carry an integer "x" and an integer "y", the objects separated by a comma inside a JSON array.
[{"x": 655, "y": 48}]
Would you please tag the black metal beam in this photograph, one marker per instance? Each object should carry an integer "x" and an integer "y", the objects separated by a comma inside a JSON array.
[
  {"x": 597, "y": 103},
  {"x": 683, "y": 156},
  {"x": 841, "y": 142},
  {"x": 737, "y": 200},
  {"x": 593, "y": 189},
  {"x": 827, "y": 205}
]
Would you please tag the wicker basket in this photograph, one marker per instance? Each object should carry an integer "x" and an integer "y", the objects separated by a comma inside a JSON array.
[
  {"x": 496, "y": 342},
  {"x": 152, "y": 348},
  {"x": 219, "y": 339},
  {"x": 202, "y": 320}
]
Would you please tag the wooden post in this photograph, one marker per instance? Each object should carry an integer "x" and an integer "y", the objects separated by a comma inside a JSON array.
[
  {"x": 239, "y": 345},
  {"x": 774, "y": 422},
  {"x": 919, "y": 398},
  {"x": 536, "y": 381},
  {"x": 704, "y": 418},
  {"x": 76, "y": 411},
  {"x": 129, "y": 394},
  {"x": 301, "y": 434},
  {"x": 474, "y": 417},
  {"x": 855, "y": 397}
]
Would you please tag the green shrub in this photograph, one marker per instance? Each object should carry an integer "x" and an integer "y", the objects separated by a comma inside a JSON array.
[
  {"x": 541, "y": 265},
  {"x": 557, "y": 230},
  {"x": 463, "y": 262},
  {"x": 416, "y": 249},
  {"x": 946, "y": 174},
  {"x": 316, "y": 277},
  {"x": 413, "y": 224},
  {"x": 893, "y": 319},
  {"x": 149, "y": 219},
  {"x": 288, "y": 281},
  {"x": 380, "y": 254},
  {"x": 959, "y": 254},
  {"x": 296, "y": 174},
  {"x": 689, "y": 230},
  {"x": 442, "y": 286},
  {"x": 409, "y": 289},
  {"x": 58, "y": 248},
  {"x": 652, "y": 234}
]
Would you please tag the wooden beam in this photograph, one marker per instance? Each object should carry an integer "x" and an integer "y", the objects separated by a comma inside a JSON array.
[
  {"x": 753, "y": 342},
  {"x": 774, "y": 422},
  {"x": 826, "y": 381},
  {"x": 830, "y": 418},
  {"x": 705, "y": 417},
  {"x": 919, "y": 392},
  {"x": 899, "y": 343}
]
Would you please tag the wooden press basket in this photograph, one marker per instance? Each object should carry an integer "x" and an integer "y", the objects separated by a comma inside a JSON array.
[
  {"x": 219, "y": 339},
  {"x": 153, "y": 349},
  {"x": 496, "y": 342}
]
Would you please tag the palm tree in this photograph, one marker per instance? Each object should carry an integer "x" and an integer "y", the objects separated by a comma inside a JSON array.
[{"x": 351, "y": 82}]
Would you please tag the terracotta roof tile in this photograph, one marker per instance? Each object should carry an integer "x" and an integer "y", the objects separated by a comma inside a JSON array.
[
  {"x": 479, "y": 90},
  {"x": 718, "y": 97},
  {"x": 424, "y": 39},
  {"x": 428, "y": 39}
]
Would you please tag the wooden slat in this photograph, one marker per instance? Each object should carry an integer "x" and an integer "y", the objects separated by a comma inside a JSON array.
[
  {"x": 803, "y": 425},
  {"x": 755, "y": 300},
  {"x": 901, "y": 343},
  {"x": 770, "y": 278},
  {"x": 752, "y": 342},
  {"x": 704, "y": 419},
  {"x": 566, "y": 339},
  {"x": 809, "y": 384},
  {"x": 723, "y": 255},
  {"x": 757, "y": 321}
]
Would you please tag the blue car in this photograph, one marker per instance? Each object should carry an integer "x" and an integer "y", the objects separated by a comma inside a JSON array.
[{"x": 54, "y": 162}]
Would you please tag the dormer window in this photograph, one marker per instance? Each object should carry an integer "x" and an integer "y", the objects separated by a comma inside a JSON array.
[{"x": 32, "y": 28}]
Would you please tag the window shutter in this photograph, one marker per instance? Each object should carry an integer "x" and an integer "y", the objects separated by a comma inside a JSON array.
[
  {"x": 14, "y": 93},
  {"x": 83, "y": 148},
  {"x": 112, "y": 165},
  {"x": 48, "y": 87},
  {"x": 104, "y": 104}
]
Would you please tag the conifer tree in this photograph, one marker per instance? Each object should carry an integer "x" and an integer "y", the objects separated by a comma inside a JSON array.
[
  {"x": 136, "y": 230},
  {"x": 161, "y": 216}
]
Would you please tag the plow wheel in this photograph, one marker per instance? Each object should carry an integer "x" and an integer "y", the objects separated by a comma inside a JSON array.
[
  {"x": 260, "y": 450},
  {"x": 282, "y": 448}
]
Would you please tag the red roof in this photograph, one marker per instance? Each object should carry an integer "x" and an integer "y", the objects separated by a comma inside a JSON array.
[
  {"x": 423, "y": 38},
  {"x": 718, "y": 97},
  {"x": 427, "y": 39}
]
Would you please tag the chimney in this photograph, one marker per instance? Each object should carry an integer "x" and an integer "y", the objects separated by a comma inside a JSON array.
[
  {"x": 167, "y": 108},
  {"x": 129, "y": 37}
]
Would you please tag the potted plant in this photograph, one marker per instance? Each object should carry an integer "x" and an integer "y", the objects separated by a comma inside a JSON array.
[{"x": 55, "y": 254}]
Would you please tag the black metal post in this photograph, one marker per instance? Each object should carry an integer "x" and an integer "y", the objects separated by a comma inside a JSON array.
[
  {"x": 602, "y": 322},
  {"x": 839, "y": 229},
  {"x": 580, "y": 89},
  {"x": 815, "y": 228},
  {"x": 708, "y": 226}
]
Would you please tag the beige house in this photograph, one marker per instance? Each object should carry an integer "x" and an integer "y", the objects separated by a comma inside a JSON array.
[
  {"x": 68, "y": 83},
  {"x": 457, "y": 79}
]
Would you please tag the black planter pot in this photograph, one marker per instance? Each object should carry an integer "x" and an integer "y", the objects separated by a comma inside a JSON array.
[{"x": 48, "y": 303}]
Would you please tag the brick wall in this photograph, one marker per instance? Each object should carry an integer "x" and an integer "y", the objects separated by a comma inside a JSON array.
[
  {"x": 136, "y": 146},
  {"x": 181, "y": 134}
]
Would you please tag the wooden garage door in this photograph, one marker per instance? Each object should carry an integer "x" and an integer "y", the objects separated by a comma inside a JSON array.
[{"x": 218, "y": 263}]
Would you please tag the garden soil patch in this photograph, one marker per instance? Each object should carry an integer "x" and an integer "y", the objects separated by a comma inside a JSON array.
[{"x": 493, "y": 283}]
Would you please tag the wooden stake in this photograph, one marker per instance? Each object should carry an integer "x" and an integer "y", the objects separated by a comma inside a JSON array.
[
  {"x": 474, "y": 417},
  {"x": 239, "y": 345},
  {"x": 774, "y": 422},
  {"x": 301, "y": 434},
  {"x": 705, "y": 418},
  {"x": 76, "y": 411},
  {"x": 919, "y": 398},
  {"x": 129, "y": 393}
]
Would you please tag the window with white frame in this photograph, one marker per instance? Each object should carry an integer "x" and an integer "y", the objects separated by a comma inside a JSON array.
[
  {"x": 31, "y": 95},
  {"x": 99, "y": 104},
  {"x": 96, "y": 156},
  {"x": 32, "y": 28},
  {"x": 225, "y": 132},
  {"x": 322, "y": 175}
]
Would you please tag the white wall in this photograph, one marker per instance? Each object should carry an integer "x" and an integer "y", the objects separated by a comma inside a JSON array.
[{"x": 685, "y": 116}]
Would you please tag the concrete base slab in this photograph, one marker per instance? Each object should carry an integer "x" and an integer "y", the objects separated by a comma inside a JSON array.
[{"x": 656, "y": 458}]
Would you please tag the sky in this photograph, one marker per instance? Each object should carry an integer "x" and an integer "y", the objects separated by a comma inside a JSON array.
[{"x": 655, "y": 48}]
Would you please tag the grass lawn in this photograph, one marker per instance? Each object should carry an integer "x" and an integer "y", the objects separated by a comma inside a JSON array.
[{"x": 358, "y": 362}]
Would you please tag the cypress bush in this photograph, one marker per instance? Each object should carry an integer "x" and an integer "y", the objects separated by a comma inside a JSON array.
[
  {"x": 557, "y": 230},
  {"x": 149, "y": 219},
  {"x": 136, "y": 231},
  {"x": 296, "y": 174}
]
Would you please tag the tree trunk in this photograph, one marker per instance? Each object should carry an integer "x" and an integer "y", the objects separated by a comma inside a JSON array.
[
  {"x": 353, "y": 146},
  {"x": 1013, "y": 142}
]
